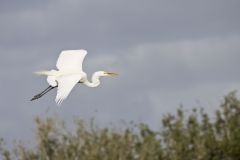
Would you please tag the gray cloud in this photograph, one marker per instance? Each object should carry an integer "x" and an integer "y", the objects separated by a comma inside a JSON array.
[
  {"x": 108, "y": 24},
  {"x": 14, "y": 6}
]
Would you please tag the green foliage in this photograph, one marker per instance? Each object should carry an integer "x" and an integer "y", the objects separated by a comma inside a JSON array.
[{"x": 195, "y": 136}]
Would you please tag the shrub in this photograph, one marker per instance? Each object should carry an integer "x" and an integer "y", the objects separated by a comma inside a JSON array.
[{"x": 182, "y": 137}]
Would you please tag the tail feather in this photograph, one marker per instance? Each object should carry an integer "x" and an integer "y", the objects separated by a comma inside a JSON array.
[
  {"x": 46, "y": 73},
  {"x": 42, "y": 72}
]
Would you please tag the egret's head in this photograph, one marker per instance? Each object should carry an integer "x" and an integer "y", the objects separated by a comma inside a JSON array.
[{"x": 106, "y": 74}]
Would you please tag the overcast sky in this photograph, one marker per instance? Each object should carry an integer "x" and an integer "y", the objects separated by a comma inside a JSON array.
[{"x": 167, "y": 53}]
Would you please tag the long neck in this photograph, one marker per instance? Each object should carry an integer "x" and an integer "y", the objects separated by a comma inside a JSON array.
[{"x": 95, "y": 81}]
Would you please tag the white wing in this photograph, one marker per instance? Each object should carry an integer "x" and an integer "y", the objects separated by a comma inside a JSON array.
[
  {"x": 65, "y": 85},
  {"x": 71, "y": 60}
]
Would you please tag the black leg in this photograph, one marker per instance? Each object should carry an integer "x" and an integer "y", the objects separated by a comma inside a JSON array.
[{"x": 49, "y": 88}]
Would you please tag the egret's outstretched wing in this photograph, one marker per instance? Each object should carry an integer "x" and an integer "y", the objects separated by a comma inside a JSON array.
[
  {"x": 71, "y": 60},
  {"x": 65, "y": 85}
]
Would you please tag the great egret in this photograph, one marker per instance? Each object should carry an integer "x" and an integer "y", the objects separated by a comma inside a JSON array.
[{"x": 69, "y": 73}]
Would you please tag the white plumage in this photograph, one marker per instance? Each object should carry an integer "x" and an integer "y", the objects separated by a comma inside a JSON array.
[
  {"x": 71, "y": 60},
  {"x": 65, "y": 85},
  {"x": 69, "y": 73}
]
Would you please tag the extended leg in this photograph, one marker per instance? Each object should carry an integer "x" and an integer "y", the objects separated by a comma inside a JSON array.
[{"x": 49, "y": 88}]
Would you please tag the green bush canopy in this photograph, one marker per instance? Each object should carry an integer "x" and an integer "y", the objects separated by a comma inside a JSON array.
[{"x": 182, "y": 136}]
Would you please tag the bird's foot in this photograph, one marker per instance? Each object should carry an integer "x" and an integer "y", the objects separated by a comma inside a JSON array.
[{"x": 36, "y": 97}]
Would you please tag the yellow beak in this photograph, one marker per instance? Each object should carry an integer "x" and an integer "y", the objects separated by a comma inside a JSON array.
[{"x": 111, "y": 74}]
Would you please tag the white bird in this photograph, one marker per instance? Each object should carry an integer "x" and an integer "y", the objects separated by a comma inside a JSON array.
[{"x": 69, "y": 73}]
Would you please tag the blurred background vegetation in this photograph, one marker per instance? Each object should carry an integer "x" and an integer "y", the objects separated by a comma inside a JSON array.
[{"x": 194, "y": 136}]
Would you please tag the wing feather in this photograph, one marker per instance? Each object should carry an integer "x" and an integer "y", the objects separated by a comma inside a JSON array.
[
  {"x": 71, "y": 60},
  {"x": 65, "y": 85}
]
